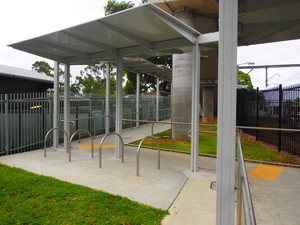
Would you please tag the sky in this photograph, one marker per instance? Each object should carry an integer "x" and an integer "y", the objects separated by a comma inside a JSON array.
[{"x": 21, "y": 20}]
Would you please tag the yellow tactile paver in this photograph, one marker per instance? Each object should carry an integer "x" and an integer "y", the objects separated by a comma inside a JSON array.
[
  {"x": 95, "y": 146},
  {"x": 265, "y": 172}
]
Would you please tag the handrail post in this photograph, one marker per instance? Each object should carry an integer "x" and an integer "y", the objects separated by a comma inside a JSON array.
[{"x": 152, "y": 129}]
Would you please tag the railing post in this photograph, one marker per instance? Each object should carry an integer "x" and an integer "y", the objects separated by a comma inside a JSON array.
[
  {"x": 280, "y": 117},
  {"x": 257, "y": 111},
  {"x": 6, "y": 124}
]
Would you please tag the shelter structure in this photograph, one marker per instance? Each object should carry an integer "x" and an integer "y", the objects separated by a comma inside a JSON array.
[
  {"x": 149, "y": 31},
  {"x": 17, "y": 80}
]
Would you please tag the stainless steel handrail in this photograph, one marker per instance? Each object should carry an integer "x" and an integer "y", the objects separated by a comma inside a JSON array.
[
  {"x": 215, "y": 125},
  {"x": 138, "y": 154},
  {"x": 244, "y": 189},
  {"x": 73, "y": 135},
  {"x": 101, "y": 143},
  {"x": 49, "y": 131}
]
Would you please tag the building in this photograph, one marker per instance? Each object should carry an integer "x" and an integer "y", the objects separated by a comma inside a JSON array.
[{"x": 17, "y": 80}]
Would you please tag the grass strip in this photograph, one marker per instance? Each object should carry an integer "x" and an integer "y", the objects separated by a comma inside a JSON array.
[
  {"x": 27, "y": 198},
  {"x": 208, "y": 145}
]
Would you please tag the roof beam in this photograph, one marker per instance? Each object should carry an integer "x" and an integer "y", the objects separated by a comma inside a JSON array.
[
  {"x": 208, "y": 38},
  {"x": 139, "y": 40},
  {"x": 65, "y": 49},
  {"x": 186, "y": 31},
  {"x": 98, "y": 44}
]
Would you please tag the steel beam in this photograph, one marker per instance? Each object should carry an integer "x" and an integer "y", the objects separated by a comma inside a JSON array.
[
  {"x": 138, "y": 87},
  {"x": 195, "y": 109},
  {"x": 67, "y": 104},
  {"x": 186, "y": 31},
  {"x": 56, "y": 104},
  {"x": 107, "y": 95},
  {"x": 226, "y": 111},
  {"x": 119, "y": 106}
]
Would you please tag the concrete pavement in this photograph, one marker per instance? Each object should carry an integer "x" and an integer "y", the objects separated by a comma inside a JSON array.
[{"x": 186, "y": 195}]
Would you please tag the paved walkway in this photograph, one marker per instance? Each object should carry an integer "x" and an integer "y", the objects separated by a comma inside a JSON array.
[{"x": 186, "y": 195}]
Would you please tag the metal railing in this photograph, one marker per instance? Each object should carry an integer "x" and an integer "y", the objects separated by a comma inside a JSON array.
[
  {"x": 77, "y": 132},
  {"x": 138, "y": 154},
  {"x": 101, "y": 144},
  {"x": 243, "y": 190}
]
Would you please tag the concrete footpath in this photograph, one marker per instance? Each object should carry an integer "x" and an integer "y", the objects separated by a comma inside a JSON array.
[{"x": 186, "y": 195}]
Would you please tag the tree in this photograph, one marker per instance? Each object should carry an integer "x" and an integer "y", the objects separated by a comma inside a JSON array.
[
  {"x": 92, "y": 80},
  {"x": 113, "y": 6},
  {"x": 43, "y": 67},
  {"x": 245, "y": 79}
]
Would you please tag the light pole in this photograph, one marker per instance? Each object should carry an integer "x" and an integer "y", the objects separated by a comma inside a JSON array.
[{"x": 238, "y": 66}]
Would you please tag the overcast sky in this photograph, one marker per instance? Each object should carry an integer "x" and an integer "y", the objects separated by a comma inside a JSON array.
[{"x": 26, "y": 19}]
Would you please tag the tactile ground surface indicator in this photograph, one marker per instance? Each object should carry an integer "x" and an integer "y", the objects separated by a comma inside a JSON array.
[
  {"x": 96, "y": 146},
  {"x": 266, "y": 172}
]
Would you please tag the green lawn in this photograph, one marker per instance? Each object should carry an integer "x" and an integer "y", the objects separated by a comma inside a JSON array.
[
  {"x": 208, "y": 145},
  {"x": 27, "y": 198}
]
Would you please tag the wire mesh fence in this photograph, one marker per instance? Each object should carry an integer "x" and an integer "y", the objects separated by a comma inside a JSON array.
[{"x": 26, "y": 118}]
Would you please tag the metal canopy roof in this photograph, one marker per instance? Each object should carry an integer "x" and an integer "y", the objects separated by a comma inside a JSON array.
[
  {"x": 143, "y": 31},
  {"x": 260, "y": 21},
  {"x": 268, "y": 21},
  {"x": 140, "y": 65}
]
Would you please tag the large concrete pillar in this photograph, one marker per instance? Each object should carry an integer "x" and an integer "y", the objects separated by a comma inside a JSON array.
[
  {"x": 182, "y": 84},
  {"x": 208, "y": 103}
]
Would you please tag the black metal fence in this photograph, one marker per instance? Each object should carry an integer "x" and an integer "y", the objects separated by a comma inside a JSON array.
[{"x": 276, "y": 108}]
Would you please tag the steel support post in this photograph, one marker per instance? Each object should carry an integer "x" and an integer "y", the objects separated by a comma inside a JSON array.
[
  {"x": 195, "y": 109},
  {"x": 67, "y": 104},
  {"x": 157, "y": 99},
  {"x": 138, "y": 90},
  {"x": 107, "y": 95},
  {"x": 226, "y": 111},
  {"x": 119, "y": 106},
  {"x": 56, "y": 105}
]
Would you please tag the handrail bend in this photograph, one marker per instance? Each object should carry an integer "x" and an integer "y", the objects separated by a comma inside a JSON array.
[
  {"x": 138, "y": 154},
  {"x": 55, "y": 128},
  {"x": 101, "y": 143},
  {"x": 76, "y": 132}
]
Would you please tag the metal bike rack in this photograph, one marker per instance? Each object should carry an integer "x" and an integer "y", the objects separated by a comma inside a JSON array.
[
  {"x": 55, "y": 128},
  {"x": 138, "y": 154},
  {"x": 73, "y": 135},
  {"x": 101, "y": 143}
]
